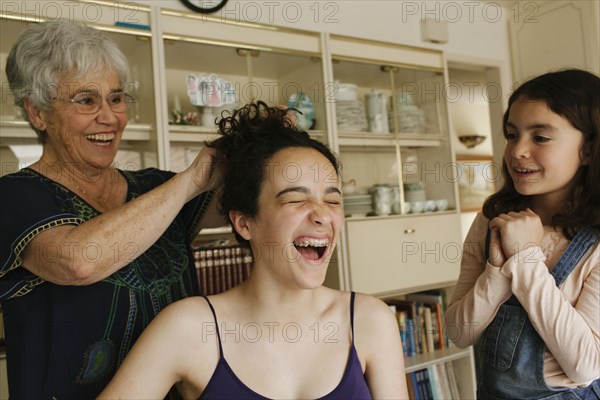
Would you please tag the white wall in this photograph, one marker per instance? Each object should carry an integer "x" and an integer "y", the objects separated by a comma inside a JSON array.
[
  {"x": 476, "y": 29},
  {"x": 558, "y": 34},
  {"x": 470, "y": 113}
]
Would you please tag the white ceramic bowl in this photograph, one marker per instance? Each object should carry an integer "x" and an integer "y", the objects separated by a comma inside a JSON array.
[
  {"x": 346, "y": 92},
  {"x": 441, "y": 204},
  {"x": 417, "y": 206},
  {"x": 429, "y": 206}
]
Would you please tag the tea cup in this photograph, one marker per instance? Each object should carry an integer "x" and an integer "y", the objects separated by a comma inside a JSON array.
[
  {"x": 349, "y": 187},
  {"x": 441, "y": 204},
  {"x": 382, "y": 199},
  {"x": 417, "y": 206},
  {"x": 429, "y": 206}
]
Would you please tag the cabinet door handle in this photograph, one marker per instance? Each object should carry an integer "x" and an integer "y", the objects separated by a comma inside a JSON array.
[{"x": 409, "y": 230}]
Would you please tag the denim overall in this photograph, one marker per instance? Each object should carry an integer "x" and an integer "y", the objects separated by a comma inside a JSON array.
[{"x": 511, "y": 353}]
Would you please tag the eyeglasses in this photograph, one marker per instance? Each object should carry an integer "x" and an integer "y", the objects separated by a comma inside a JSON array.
[{"x": 90, "y": 102}]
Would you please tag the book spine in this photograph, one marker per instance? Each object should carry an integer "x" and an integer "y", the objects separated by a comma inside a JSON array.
[
  {"x": 429, "y": 332},
  {"x": 443, "y": 379},
  {"x": 427, "y": 385},
  {"x": 434, "y": 383},
  {"x": 452, "y": 380},
  {"x": 440, "y": 326},
  {"x": 421, "y": 384},
  {"x": 413, "y": 386},
  {"x": 410, "y": 337},
  {"x": 402, "y": 322}
]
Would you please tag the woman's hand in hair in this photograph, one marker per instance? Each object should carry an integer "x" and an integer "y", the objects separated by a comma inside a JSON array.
[{"x": 204, "y": 172}]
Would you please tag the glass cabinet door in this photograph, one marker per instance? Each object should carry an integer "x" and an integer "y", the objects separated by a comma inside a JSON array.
[
  {"x": 392, "y": 130},
  {"x": 421, "y": 123},
  {"x": 366, "y": 145},
  {"x": 294, "y": 79},
  {"x": 139, "y": 147},
  {"x": 197, "y": 76},
  {"x": 249, "y": 63}
]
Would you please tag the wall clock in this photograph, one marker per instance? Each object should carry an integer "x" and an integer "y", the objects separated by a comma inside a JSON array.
[{"x": 204, "y": 6}]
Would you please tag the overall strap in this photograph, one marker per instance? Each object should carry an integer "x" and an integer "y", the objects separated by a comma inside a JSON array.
[
  {"x": 216, "y": 325},
  {"x": 352, "y": 295},
  {"x": 581, "y": 243}
]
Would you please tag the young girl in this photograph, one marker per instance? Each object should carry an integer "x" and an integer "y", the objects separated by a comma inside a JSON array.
[
  {"x": 533, "y": 307},
  {"x": 280, "y": 334}
]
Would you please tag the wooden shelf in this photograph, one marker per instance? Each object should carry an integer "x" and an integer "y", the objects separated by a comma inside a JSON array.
[
  {"x": 361, "y": 217},
  {"x": 420, "y": 361},
  {"x": 390, "y": 139},
  {"x": 200, "y": 134}
]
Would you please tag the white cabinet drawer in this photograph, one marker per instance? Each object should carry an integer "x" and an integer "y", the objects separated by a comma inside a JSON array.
[{"x": 390, "y": 255}]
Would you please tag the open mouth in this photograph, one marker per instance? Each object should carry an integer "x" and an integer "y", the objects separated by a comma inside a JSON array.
[
  {"x": 312, "y": 249},
  {"x": 100, "y": 139},
  {"x": 525, "y": 172}
]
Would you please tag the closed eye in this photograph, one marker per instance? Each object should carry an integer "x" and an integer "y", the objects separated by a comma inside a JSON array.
[{"x": 333, "y": 199}]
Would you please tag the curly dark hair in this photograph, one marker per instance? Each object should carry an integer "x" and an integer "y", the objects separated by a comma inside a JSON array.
[
  {"x": 250, "y": 137},
  {"x": 575, "y": 95}
]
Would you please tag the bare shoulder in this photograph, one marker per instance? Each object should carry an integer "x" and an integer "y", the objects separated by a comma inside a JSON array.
[
  {"x": 189, "y": 326},
  {"x": 188, "y": 315},
  {"x": 371, "y": 309},
  {"x": 195, "y": 304},
  {"x": 367, "y": 309},
  {"x": 376, "y": 337},
  {"x": 374, "y": 323}
]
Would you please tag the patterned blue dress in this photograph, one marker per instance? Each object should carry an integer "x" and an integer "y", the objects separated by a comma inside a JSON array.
[{"x": 67, "y": 341}]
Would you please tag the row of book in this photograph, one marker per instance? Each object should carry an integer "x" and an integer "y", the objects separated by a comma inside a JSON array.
[
  {"x": 437, "y": 382},
  {"x": 221, "y": 268},
  {"x": 421, "y": 321}
]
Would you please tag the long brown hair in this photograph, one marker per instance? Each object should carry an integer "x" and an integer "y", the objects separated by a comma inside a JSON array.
[{"x": 575, "y": 95}]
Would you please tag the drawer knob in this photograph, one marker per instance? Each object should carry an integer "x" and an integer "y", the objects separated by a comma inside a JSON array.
[{"x": 409, "y": 230}]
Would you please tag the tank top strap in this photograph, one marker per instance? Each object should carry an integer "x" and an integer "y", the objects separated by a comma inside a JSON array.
[
  {"x": 216, "y": 325},
  {"x": 581, "y": 243},
  {"x": 352, "y": 296}
]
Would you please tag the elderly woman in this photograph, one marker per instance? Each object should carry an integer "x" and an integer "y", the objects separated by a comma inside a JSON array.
[
  {"x": 89, "y": 253},
  {"x": 280, "y": 334}
]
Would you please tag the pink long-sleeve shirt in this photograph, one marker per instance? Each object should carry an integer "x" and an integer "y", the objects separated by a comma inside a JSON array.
[{"x": 567, "y": 317}]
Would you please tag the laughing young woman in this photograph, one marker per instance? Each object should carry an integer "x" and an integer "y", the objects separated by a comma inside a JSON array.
[{"x": 280, "y": 334}]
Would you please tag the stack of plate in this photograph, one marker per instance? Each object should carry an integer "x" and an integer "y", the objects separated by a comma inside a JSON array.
[
  {"x": 411, "y": 119},
  {"x": 358, "y": 204},
  {"x": 351, "y": 115}
]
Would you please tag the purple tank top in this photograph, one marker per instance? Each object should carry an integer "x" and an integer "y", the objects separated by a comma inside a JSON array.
[{"x": 224, "y": 384}]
